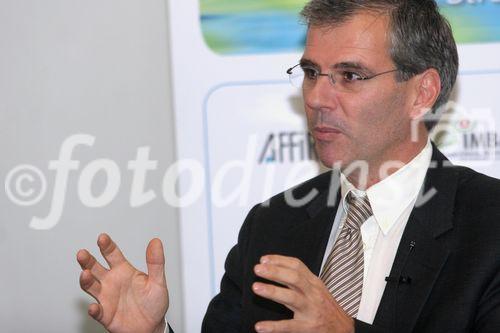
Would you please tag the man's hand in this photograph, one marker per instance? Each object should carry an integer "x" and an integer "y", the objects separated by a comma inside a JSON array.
[
  {"x": 128, "y": 300},
  {"x": 314, "y": 308}
]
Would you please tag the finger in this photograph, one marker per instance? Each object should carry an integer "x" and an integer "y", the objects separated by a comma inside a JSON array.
[
  {"x": 289, "y": 298},
  {"x": 283, "y": 261},
  {"x": 110, "y": 251},
  {"x": 155, "y": 259},
  {"x": 96, "y": 311},
  {"x": 90, "y": 284},
  {"x": 285, "y": 276},
  {"x": 87, "y": 261},
  {"x": 288, "y": 326}
]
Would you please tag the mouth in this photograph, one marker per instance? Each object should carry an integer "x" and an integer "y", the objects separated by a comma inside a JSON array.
[{"x": 323, "y": 133}]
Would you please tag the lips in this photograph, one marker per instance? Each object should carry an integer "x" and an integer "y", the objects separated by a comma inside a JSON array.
[{"x": 323, "y": 133}]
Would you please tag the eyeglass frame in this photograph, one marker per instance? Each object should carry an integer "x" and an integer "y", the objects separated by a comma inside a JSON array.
[{"x": 330, "y": 74}]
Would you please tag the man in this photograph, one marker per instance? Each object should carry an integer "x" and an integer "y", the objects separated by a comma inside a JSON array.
[{"x": 408, "y": 244}]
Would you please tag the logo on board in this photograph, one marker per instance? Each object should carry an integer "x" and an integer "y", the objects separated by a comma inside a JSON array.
[
  {"x": 287, "y": 147},
  {"x": 468, "y": 136}
]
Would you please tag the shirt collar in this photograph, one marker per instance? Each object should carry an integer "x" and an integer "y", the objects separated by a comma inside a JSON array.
[{"x": 390, "y": 197}]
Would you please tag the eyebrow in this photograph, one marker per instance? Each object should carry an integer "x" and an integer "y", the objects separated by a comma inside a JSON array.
[
  {"x": 307, "y": 62},
  {"x": 352, "y": 65},
  {"x": 341, "y": 65}
]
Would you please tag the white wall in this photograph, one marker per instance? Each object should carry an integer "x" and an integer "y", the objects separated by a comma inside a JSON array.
[{"x": 98, "y": 67}]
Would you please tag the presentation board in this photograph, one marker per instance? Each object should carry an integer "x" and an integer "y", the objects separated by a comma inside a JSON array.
[{"x": 240, "y": 128}]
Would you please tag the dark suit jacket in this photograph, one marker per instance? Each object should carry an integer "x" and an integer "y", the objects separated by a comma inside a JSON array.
[{"x": 454, "y": 266}]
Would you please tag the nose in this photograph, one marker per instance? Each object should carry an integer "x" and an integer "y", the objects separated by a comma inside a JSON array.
[{"x": 321, "y": 96}]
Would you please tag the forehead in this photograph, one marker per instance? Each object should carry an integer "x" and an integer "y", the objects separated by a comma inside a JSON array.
[{"x": 363, "y": 38}]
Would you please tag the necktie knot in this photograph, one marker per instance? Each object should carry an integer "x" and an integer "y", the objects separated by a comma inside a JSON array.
[{"x": 359, "y": 210}]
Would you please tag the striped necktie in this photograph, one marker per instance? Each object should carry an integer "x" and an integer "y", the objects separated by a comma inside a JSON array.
[{"x": 343, "y": 270}]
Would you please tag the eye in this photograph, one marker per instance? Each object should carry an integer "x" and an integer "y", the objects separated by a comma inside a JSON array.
[
  {"x": 310, "y": 73},
  {"x": 351, "y": 76}
]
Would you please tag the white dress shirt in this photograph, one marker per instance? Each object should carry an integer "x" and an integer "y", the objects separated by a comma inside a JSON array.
[{"x": 392, "y": 201}]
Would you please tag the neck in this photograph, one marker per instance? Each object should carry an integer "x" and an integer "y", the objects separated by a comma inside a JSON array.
[{"x": 377, "y": 170}]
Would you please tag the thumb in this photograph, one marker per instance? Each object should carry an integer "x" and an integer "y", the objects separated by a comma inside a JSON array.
[
  {"x": 155, "y": 259},
  {"x": 95, "y": 311}
]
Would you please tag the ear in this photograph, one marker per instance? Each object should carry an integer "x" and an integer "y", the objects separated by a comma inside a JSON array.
[{"x": 427, "y": 90}]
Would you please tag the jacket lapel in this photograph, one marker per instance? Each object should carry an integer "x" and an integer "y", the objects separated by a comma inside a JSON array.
[
  {"x": 402, "y": 303},
  {"x": 307, "y": 240}
]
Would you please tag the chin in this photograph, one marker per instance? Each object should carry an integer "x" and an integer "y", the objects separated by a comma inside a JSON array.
[
  {"x": 331, "y": 160},
  {"x": 335, "y": 158},
  {"x": 332, "y": 154}
]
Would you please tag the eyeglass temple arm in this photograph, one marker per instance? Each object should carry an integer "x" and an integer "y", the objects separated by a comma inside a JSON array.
[
  {"x": 378, "y": 74},
  {"x": 289, "y": 70}
]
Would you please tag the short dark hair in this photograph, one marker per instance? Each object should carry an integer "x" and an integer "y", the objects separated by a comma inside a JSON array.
[{"x": 420, "y": 37}]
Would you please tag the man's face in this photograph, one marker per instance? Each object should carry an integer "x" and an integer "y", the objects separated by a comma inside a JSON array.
[{"x": 372, "y": 124}]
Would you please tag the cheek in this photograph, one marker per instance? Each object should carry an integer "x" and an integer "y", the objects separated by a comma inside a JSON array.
[
  {"x": 377, "y": 114},
  {"x": 361, "y": 115}
]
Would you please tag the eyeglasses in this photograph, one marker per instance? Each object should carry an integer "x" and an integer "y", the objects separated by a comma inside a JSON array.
[{"x": 305, "y": 77}]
